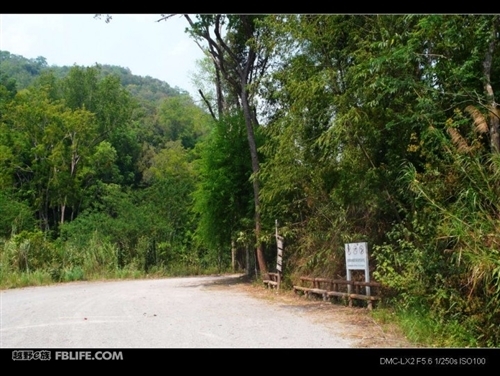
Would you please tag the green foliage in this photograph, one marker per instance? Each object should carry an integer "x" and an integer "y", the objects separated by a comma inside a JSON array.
[
  {"x": 16, "y": 216},
  {"x": 76, "y": 170},
  {"x": 48, "y": 144},
  {"x": 180, "y": 119},
  {"x": 454, "y": 238},
  {"x": 145, "y": 89},
  {"x": 27, "y": 71},
  {"x": 29, "y": 251},
  {"x": 223, "y": 197},
  {"x": 23, "y": 279},
  {"x": 377, "y": 128},
  {"x": 107, "y": 179},
  {"x": 113, "y": 108},
  {"x": 23, "y": 70},
  {"x": 352, "y": 101},
  {"x": 8, "y": 89}
]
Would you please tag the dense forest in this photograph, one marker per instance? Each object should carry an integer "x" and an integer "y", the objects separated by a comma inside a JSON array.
[{"x": 382, "y": 129}]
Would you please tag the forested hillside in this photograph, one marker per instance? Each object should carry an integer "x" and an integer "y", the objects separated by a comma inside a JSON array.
[
  {"x": 96, "y": 171},
  {"x": 344, "y": 128}
]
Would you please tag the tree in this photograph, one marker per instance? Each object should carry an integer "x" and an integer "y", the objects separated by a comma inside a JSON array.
[
  {"x": 180, "y": 119},
  {"x": 239, "y": 62},
  {"x": 113, "y": 107},
  {"x": 48, "y": 144},
  {"x": 223, "y": 198}
]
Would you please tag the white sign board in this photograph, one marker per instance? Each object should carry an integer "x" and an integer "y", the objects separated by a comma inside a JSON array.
[{"x": 356, "y": 256}]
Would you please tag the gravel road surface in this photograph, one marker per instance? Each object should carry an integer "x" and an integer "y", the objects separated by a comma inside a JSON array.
[{"x": 194, "y": 312}]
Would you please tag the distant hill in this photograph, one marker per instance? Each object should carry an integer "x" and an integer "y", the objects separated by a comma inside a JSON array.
[{"x": 24, "y": 71}]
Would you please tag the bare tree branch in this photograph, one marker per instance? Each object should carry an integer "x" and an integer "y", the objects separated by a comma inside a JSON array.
[{"x": 208, "y": 104}]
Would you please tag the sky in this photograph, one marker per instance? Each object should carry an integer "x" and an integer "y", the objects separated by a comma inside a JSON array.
[{"x": 136, "y": 41}]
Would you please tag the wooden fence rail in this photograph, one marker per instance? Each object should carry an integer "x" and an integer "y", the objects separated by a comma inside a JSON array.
[
  {"x": 328, "y": 288},
  {"x": 272, "y": 281}
]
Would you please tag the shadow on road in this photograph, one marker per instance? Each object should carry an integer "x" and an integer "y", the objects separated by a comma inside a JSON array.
[{"x": 223, "y": 280}]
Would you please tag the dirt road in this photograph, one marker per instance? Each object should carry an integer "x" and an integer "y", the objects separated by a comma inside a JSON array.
[{"x": 195, "y": 312}]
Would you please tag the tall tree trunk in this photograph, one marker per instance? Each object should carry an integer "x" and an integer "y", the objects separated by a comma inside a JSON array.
[
  {"x": 63, "y": 210},
  {"x": 255, "y": 169},
  {"x": 233, "y": 256},
  {"x": 248, "y": 268},
  {"x": 218, "y": 88}
]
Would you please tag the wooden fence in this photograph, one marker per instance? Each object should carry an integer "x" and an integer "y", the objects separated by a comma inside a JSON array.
[{"x": 340, "y": 288}]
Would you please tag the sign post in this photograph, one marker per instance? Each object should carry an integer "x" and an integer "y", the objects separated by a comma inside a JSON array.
[
  {"x": 279, "y": 258},
  {"x": 356, "y": 256}
]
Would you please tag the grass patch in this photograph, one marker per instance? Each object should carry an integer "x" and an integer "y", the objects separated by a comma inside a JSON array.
[
  {"x": 422, "y": 329},
  {"x": 74, "y": 274},
  {"x": 9, "y": 280},
  {"x": 15, "y": 279}
]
